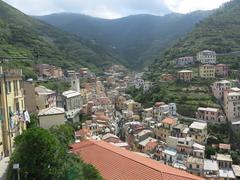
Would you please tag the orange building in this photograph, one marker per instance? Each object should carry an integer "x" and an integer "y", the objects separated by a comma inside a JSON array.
[{"x": 185, "y": 75}]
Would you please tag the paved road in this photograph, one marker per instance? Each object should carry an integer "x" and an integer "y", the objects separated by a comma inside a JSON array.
[{"x": 3, "y": 168}]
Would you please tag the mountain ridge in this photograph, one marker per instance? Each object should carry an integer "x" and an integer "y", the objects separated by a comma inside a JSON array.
[{"x": 135, "y": 38}]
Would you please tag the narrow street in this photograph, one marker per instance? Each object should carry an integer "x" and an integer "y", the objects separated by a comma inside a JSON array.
[{"x": 3, "y": 168}]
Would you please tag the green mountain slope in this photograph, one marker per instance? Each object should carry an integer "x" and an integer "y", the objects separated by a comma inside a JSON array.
[
  {"x": 136, "y": 39},
  {"x": 219, "y": 32},
  {"x": 24, "y": 36}
]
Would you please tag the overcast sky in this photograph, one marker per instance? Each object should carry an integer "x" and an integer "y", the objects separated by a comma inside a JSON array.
[{"x": 113, "y": 8}]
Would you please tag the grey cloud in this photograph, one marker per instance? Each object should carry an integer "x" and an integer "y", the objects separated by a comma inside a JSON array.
[{"x": 92, "y": 7}]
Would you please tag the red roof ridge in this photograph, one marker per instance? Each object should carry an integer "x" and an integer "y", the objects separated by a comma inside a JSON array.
[
  {"x": 159, "y": 167},
  {"x": 82, "y": 144}
]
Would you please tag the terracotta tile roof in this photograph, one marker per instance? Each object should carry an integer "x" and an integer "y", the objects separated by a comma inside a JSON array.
[
  {"x": 102, "y": 118},
  {"x": 225, "y": 146},
  {"x": 82, "y": 132},
  {"x": 104, "y": 101},
  {"x": 159, "y": 104},
  {"x": 116, "y": 163},
  {"x": 151, "y": 145},
  {"x": 169, "y": 121}
]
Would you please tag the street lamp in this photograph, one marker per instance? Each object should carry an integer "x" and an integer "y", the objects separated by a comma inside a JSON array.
[{"x": 17, "y": 168}]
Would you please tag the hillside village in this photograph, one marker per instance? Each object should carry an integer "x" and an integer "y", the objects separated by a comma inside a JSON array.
[
  {"x": 133, "y": 93},
  {"x": 104, "y": 111}
]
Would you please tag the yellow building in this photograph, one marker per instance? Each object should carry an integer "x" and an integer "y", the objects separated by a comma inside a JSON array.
[
  {"x": 207, "y": 71},
  {"x": 198, "y": 132},
  {"x": 120, "y": 102},
  {"x": 131, "y": 105},
  {"x": 12, "y": 107},
  {"x": 164, "y": 129}
]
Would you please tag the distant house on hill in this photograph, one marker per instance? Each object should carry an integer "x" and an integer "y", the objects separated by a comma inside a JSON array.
[
  {"x": 184, "y": 61},
  {"x": 206, "y": 57}
]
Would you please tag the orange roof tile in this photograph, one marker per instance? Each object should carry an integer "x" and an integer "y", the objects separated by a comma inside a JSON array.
[
  {"x": 225, "y": 146},
  {"x": 102, "y": 118},
  {"x": 169, "y": 121},
  {"x": 159, "y": 104},
  {"x": 117, "y": 163},
  {"x": 82, "y": 132},
  {"x": 151, "y": 144}
]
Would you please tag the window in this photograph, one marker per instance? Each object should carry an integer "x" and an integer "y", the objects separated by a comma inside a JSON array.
[
  {"x": 15, "y": 87},
  {"x": 10, "y": 109},
  {"x": 197, "y": 166},
  {"x": 20, "y": 84},
  {"x": 8, "y": 86}
]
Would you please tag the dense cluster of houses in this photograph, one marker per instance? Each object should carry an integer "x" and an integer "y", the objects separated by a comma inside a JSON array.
[
  {"x": 156, "y": 132},
  {"x": 108, "y": 114}
]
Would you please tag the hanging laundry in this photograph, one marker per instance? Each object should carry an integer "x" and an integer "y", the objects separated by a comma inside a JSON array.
[
  {"x": 11, "y": 114},
  {"x": 26, "y": 116},
  {"x": 12, "y": 122}
]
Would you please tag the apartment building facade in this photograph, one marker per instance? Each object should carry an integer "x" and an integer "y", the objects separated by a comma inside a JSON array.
[
  {"x": 12, "y": 109},
  {"x": 206, "y": 57},
  {"x": 207, "y": 71}
]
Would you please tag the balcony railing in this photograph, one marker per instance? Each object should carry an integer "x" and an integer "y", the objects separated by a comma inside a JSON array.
[{"x": 11, "y": 72}]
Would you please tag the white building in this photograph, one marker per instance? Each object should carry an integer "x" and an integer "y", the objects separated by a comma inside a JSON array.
[
  {"x": 206, "y": 57},
  {"x": 211, "y": 169},
  {"x": 163, "y": 110},
  {"x": 72, "y": 102},
  {"x": 138, "y": 83},
  {"x": 170, "y": 155},
  {"x": 147, "y": 86},
  {"x": 75, "y": 83}
]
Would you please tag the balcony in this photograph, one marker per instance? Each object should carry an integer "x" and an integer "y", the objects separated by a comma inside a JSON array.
[
  {"x": 11, "y": 72},
  {"x": 18, "y": 94}
]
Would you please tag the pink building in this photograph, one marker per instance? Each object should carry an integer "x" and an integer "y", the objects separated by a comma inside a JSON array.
[
  {"x": 210, "y": 114},
  {"x": 43, "y": 69},
  {"x": 184, "y": 61},
  {"x": 221, "y": 70},
  {"x": 167, "y": 77},
  {"x": 49, "y": 70},
  {"x": 219, "y": 87}
]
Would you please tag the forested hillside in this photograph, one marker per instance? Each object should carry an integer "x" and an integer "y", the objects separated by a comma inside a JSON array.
[
  {"x": 218, "y": 32},
  {"x": 135, "y": 39},
  {"x": 24, "y": 36}
]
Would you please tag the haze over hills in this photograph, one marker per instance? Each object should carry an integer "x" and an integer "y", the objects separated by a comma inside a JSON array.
[
  {"x": 135, "y": 39},
  {"x": 218, "y": 32},
  {"x": 24, "y": 36}
]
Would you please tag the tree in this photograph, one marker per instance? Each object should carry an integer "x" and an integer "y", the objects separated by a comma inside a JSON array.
[
  {"x": 34, "y": 122},
  {"x": 43, "y": 154},
  {"x": 64, "y": 133},
  {"x": 39, "y": 154},
  {"x": 210, "y": 151}
]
